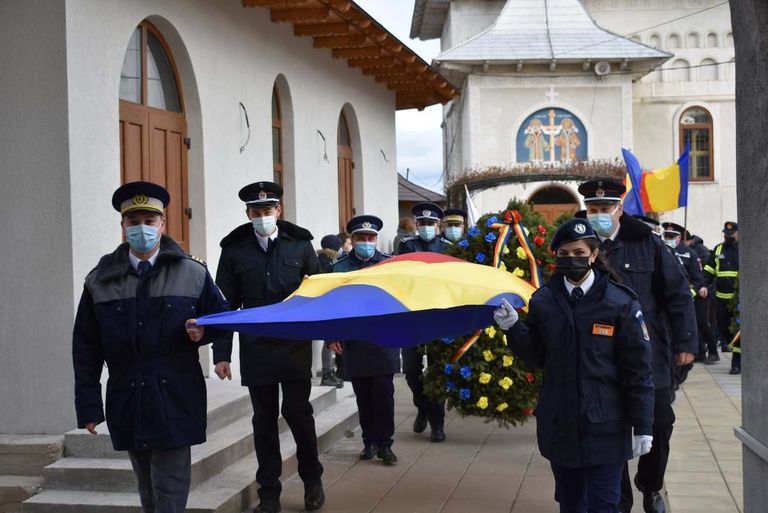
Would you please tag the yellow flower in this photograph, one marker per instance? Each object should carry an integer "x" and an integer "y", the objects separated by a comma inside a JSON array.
[
  {"x": 488, "y": 355},
  {"x": 506, "y": 250},
  {"x": 502, "y": 407},
  {"x": 505, "y": 383},
  {"x": 507, "y": 361},
  {"x": 518, "y": 272},
  {"x": 490, "y": 331},
  {"x": 503, "y": 266},
  {"x": 482, "y": 403},
  {"x": 504, "y": 339},
  {"x": 521, "y": 253},
  {"x": 485, "y": 378}
]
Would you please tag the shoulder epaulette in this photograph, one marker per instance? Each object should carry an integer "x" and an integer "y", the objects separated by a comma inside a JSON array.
[
  {"x": 198, "y": 260},
  {"x": 408, "y": 239}
]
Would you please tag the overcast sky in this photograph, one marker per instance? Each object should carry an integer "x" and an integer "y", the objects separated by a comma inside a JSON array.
[{"x": 419, "y": 137}]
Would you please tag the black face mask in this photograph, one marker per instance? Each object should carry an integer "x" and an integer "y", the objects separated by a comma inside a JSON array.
[
  {"x": 730, "y": 240},
  {"x": 573, "y": 268}
]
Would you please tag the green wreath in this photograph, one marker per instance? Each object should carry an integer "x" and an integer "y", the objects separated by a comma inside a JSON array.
[{"x": 488, "y": 380}]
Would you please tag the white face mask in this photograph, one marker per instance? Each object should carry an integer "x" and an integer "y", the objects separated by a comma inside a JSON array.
[{"x": 264, "y": 226}]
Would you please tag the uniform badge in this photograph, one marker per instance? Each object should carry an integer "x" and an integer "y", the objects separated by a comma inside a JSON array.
[
  {"x": 140, "y": 199},
  {"x": 367, "y": 225},
  {"x": 599, "y": 193},
  {"x": 602, "y": 330},
  {"x": 579, "y": 228},
  {"x": 262, "y": 195},
  {"x": 639, "y": 316},
  {"x": 426, "y": 213}
]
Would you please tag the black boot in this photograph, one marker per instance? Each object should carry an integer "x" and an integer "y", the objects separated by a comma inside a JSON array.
[
  {"x": 386, "y": 455},
  {"x": 314, "y": 496},
  {"x": 329, "y": 379},
  {"x": 420, "y": 422},
  {"x": 267, "y": 507},
  {"x": 368, "y": 452}
]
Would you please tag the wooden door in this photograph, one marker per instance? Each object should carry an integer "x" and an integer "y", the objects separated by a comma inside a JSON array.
[
  {"x": 551, "y": 212},
  {"x": 346, "y": 186}
]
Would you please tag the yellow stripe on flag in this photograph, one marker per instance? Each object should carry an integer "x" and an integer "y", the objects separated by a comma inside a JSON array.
[{"x": 663, "y": 188}]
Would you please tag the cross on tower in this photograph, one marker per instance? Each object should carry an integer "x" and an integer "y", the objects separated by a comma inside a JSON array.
[{"x": 551, "y": 94}]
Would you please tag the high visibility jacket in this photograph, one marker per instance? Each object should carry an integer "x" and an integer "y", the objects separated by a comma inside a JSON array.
[{"x": 723, "y": 267}]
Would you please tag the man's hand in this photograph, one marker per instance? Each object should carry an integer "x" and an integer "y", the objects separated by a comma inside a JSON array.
[
  {"x": 222, "y": 370},
  {"x": 91, "y": 427},
  {"x": 194, "y": 331},
  {"x": 683, "y": 359},
  {"x": 335, "y": 346},
  {"x": 703, "y": 292}
]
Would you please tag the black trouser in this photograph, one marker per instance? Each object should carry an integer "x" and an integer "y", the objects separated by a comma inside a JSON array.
[
  {"x": 593, "y": 489},
  {"x": 707, "y": 341},
  {"x": 413, "y": 369},
  {"x": 376, "y": 406},
  {"x": 724, "y": 318},
  {"x": 163, "y": 477},
  {"x": 297, "y": 412},
  {"x": 651, "y": 467}
]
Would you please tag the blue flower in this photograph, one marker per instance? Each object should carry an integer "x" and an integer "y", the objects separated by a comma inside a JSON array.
[
  {"x": 491, "y": 221},
  {"x": 447, "y": 340},
  {"x": 464, "y": 243},
  {"x": 464, "y": 394},
  {"x": 491, "y": 237},
  {"x": 473, "y": 232},
  {"x": 450, "y": 386},
  {"x": 465, "y": 372},
  {"x": 480, "y": 258},
  {"x": 448, "y": 369}
]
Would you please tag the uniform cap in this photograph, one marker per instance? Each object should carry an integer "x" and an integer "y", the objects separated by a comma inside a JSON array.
[
  {"x": 364, "y": 224},
  {"x": 673, "y": 229},
  {"x": 135, "y": 196},
  {"x": 454, "y": 215},
  {"x": 261, "y": 194},
  {"x": 427, "y": 210},
  {"x": 602, "y": 190},
  {"x": 571, "y": 230},
  {"x": 648, "y": 220},
  {"x": 729, "y": 228}
]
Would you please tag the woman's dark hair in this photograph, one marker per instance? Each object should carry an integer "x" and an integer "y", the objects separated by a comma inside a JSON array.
[{"x": 601, "y": 263}]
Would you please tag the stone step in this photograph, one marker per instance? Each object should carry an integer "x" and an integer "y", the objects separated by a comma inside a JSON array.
[
  {"x": 224, "y": 446},
  {"x": 230, "y": 491},
  {"x": 26, "y": 455},
  {"x": 16, "y": 489},
  {"x": 227, "y": 401}
]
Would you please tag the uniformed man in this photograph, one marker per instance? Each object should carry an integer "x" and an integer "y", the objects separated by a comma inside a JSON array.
[
  {"x": 722, "y": 271},
  {"x": 428, "y": 216},
  {"x": 646, "y": 266},
  {"x": 453, "y": 224},
  {"x": 370, "y": 367},
  {"x": 707, "y": 340},
  {"x": 136, "y": 315},
  {"x": 263, "y": 262},
  {"x": 692, "y": 268}
]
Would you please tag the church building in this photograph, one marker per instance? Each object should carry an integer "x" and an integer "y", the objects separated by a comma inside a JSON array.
[{"x": 552, "y": 90}]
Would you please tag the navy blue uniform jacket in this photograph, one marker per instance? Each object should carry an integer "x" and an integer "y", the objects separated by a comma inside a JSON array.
[
  {"x": 646, "y": 265},
  {"x": 414, "y": 244},
  {"x": 250, "y": 277},
  {"x": 365, "y": 359},
  {"x": 135, "y": 324},
  {"x": 597, "y": 380}
]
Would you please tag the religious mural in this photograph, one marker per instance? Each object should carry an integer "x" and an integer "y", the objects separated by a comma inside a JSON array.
[{"x": 551, "y": 135}]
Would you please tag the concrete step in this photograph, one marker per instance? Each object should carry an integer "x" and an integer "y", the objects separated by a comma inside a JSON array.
[
  {"x": 227, "y": 402},
  {"x": 16, "y": 489},
  {"x": 232, "y": 490},
  {"x": 224, "y": 446},
  {"x": 26, "y": 455}
]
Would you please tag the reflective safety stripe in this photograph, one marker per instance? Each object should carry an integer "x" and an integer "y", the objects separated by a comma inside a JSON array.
[
  {"x": 725, "y": 295},
  {"x": 693, "y": 293},
  {"x": 709, "y": 269},
  {"x": 727, "y": 274},
  {"x": 736, "y": 349}
]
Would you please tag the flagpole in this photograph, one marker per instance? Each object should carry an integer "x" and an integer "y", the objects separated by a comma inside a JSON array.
[{"x": 685, "y": 223}]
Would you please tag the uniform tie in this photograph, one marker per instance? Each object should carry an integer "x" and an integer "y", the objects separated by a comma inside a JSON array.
[
  {"x": 270, "y": 245},
  {"x": 144, "y": 266},
  {"x": 576, "y": 294},
  {"x": 607, "y": 244}
]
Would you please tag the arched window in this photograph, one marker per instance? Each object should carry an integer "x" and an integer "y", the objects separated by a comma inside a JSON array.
[
  {"x": 729, "y": 40},
  {"x": 552, "y": 202},
  {"x": 654, "y": 41},
  {"x": 711, "y": 40},
  {"x": 346, "y": 172},
  {"x": 707, "y": 70},
  {"x": 679, "y": 71},
  {"x": 696, "y": 130},
  {"x": 148, "y": 76},
  {"x": 673, "y": 41},
  {"x": 693, "y": 40},
  {"x": 277, "y": 138}
]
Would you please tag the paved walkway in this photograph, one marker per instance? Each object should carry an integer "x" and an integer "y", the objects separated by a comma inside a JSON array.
[{"x": 484, "y": 468}]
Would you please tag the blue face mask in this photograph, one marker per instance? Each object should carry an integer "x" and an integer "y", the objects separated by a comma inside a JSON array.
[
  {"x": 453, "y": 233},
  {"x": 427, "y": 233},
  {"x": 142, "y": 237},
  {"x": 672, "y": 243},
  {"x": 365, "y": 250},
  {"x": 602, "y": 223}
]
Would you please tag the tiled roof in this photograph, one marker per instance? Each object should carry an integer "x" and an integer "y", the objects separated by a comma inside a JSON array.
[
  {"x": 409, "y": 191},
  {"x": 546, "y": 30}
]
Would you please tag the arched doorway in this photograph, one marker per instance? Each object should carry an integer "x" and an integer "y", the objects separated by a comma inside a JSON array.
[
  {"x": 153, "y": 126},
  {"x": 552, "y": 202},
  {"x": 346, "y": 173}
]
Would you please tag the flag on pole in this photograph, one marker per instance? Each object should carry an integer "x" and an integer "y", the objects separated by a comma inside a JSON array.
[
  {"x": 633, "y": 203},
  {"x": 472, "y": 216},
  {"x": 659, "y": 190}
]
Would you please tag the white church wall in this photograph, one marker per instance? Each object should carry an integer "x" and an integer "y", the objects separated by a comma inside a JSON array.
[
  {"x": 497, "y": 198},
  {"x": 468, "y": 18}
]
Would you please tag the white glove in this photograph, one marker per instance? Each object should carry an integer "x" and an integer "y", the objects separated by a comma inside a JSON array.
[
  {"x": 505, "y": 316},
  {"x": 642, "y": 445}
]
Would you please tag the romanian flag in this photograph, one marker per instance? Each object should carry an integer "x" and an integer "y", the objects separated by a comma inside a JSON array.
[
  {"x": 659, "y": 190},
  {"x": 405, "y": 300}
]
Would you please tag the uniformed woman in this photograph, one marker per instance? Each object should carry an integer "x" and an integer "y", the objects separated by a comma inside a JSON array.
[{"x": 588, "y": 335}]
